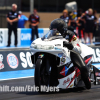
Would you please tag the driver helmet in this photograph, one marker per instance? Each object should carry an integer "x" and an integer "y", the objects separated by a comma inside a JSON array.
[{"x": 58, "y": 24}]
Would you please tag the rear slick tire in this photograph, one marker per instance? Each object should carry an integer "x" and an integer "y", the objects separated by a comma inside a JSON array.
[{"x": 85, "y": 77}]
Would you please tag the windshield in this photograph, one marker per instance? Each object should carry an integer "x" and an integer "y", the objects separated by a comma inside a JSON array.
[{"x": 51, "y": 33}]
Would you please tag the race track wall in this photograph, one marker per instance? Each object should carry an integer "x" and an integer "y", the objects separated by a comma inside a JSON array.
[
  {"x": 16, "y": 63},
  {"x": 24, "y": 36}
]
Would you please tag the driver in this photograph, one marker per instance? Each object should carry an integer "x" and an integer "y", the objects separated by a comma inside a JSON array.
[{"x": 74, "y": 46}]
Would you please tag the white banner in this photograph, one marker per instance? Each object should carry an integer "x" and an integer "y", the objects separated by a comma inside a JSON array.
[{"x": 4, "y": 37}]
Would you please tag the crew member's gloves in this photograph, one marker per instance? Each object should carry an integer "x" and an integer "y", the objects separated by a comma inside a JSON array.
[{"x": 68, "y": 45}]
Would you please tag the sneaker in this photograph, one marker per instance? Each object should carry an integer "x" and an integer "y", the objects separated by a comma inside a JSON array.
[
  {"x": 80, "y": 40},
  {"x": 15, "y": 45},
  {"x": 8, "y": 46},
  {"x": 92, "y": 44}
]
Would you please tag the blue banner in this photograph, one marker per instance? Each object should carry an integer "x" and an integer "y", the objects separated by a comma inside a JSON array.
[{"x": 26, "y": 36}]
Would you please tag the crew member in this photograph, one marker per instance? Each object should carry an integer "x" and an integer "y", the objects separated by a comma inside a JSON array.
[
  {"x": 66, "y": 17},
  {"x": 22, "y": 20},
  {"x": 34, "y": 20},
  {"x": 73, "y": 19},
  {"x": 80, "y": 24},
  {"x": 89, "y": 20},
  {"x": 12, "y": 19}
]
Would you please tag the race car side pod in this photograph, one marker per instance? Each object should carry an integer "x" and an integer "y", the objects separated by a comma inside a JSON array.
[{"x": 79, "y": 62}]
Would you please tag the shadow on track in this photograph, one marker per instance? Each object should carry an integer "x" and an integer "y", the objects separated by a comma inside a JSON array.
[{"x": 74, "y": 90}]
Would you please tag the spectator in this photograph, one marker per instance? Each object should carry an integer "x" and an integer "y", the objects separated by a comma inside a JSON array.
[
  {"x": 89, "y": 20},
  {"x": 66, "y": 17},
  {"x": 95, "y": 24},
  {"x": 97, "y": 32},
  {"x": 99, "y": 22},
  {"x": 34, "y": 20},
  {"x": 74, "y": 18},
  {"x": 22, "y": 20},
  {"x": 12, "y": 19},
  {"x": 80, "y": 24},
  {"x": 80, "y": 11}
]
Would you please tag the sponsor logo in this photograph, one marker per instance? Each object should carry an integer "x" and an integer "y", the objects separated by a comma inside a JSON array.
[
  {"x": 12, "y": 16},
  {"x": 1, "y": 64},
  {"x": 12, "y": 60},
  {"x": 57, "y": 48},
  {"x": 15, "y": 14},
  {"x": 74, "y": 38},
  {"x": 71, "y": 86},
  {"x": 97, "y": 74},
  {"x": 63, "y": 60},
  {"x": 1, "y": 37},
  {"x": 96, "y": 55},
  {"x": 60, "y": 54},
  {"x": 64, "y": 71},
  {"x": 98, "y": 77},
  {"x": 57, "y": 44},
  {"x": 33, "y": 20},
  {"x": 26, "y": 36},
  {"x": 66, "y": 81},
  {"x": 26, "y": 59},
  {"x": 58, "y": 34},
  {"x": 41, "y": 55},
  {"x": 54, "y": 28},
  {"x": 10, "y": 13}
]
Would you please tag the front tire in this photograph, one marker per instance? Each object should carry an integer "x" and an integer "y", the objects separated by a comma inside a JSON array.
[
  {"x": 41, "y": 76},
  {"x": 37, "y": 72}
]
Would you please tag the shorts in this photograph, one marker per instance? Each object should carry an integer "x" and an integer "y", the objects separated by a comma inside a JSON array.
[{"x": 89, "y": 29}]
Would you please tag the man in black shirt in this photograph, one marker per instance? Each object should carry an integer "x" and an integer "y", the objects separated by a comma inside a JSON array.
[
  {"x": 12, "y": 19},
  {"x": 34, "y": 20},
  {"x": 89, "y": 20}
]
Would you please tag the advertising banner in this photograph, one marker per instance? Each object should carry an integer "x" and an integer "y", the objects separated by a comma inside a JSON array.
[
  {"x": 15, "y": 63},
  {"x": 96, "y": 55},
  {"x": 26, "y": 35},
  {"x": 12, "y": 37},
  {"x": 15, "y": 60},
  {"x": 2, "y": 37},
  {"x": 23, "y": 36}
]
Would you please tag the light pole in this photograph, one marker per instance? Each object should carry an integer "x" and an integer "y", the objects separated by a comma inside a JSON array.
[{"x": 31, "y": 6}]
